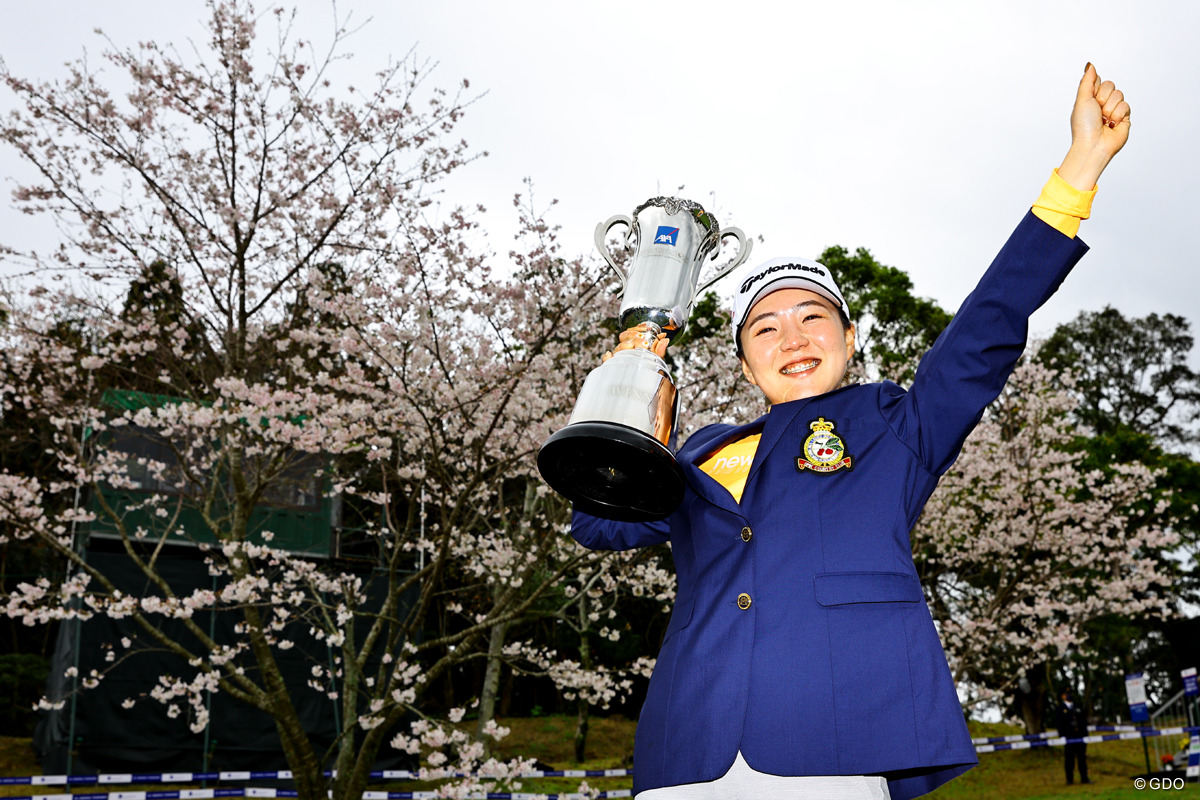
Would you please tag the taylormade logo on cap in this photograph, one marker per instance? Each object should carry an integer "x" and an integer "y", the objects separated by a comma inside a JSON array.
[
  {"x": 753, "y": 279},
  {"x": 784, "y": 273}
]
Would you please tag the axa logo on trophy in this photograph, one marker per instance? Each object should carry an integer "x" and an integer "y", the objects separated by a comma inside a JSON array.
[
  {"x": 666, "y": 235},
  {"x": 753, "y": 279}
]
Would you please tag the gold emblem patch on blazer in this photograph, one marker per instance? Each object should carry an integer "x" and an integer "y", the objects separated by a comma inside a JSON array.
[{"x": 824, "y": 450}]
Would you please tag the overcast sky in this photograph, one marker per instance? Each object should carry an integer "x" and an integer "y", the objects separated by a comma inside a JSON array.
[{"x": 920, "y": 130}]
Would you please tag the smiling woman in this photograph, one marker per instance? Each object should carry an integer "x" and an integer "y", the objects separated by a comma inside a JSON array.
[
  {"x": 794, "y": 344},
  {"x": 801, "y": 660}
]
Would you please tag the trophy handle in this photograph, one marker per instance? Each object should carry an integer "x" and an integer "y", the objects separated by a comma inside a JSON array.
[
  {"x": 745, "y": 245},
  {"x": 602, "y": 245}
]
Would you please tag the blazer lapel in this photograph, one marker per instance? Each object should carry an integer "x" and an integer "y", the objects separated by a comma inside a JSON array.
[
  {"x": 705, "y": 485},
  {"x": 777, "y": 423}
]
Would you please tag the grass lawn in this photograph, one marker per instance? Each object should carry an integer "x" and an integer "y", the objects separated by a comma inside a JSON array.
[
  {"x": 1034, "y": 774},
  {"x": 17, "y": 758}
]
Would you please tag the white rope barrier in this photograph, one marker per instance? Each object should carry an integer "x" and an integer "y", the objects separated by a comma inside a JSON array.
[
  {"x": 983, "y": 745},
  {"x": 249, "y": 791},
  {"x": 1032, "y": 737},
  {"x": 125, "y": 779},
  {"x": 1140, "y": 733}
]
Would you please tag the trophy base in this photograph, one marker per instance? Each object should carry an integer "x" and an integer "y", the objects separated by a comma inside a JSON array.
[{"x": 612, "y": 471}]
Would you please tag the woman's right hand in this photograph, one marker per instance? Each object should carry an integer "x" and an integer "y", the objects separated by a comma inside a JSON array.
[{"x": 1099, "y": 129}]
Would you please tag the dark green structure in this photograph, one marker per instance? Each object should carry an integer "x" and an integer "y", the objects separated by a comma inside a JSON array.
[
  {"x": 302, "y": 520},
  {"x": 97, "y": 730}
]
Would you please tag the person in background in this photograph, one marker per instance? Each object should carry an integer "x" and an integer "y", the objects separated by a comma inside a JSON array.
[{"x": 1072, "y": 723}]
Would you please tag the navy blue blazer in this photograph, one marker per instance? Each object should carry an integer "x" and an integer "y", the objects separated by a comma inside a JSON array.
[{"x": 800, "y": 633}]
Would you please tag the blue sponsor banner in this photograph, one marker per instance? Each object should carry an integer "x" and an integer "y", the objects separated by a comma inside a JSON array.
[
  {"x": 1190, "y": 687},
  {"x": 666, "y": 235},
  {"x": 1135, "y": 690}
]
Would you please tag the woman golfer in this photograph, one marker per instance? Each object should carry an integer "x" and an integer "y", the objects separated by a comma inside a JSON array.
[{"x": 800, "y": 660}]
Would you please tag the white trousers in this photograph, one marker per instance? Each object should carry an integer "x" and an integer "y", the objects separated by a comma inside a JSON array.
[{"x": 743, "y": 783}]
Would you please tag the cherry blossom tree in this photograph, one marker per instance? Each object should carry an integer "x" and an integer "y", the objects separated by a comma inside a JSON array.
[
  {"x": 1021, "y": 546},
  {"x": 592, "y": 606},
  {"x": 300, "y": 315}
]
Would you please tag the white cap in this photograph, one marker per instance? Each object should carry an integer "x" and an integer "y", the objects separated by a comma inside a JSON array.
[{"x": 784, "y": 273}]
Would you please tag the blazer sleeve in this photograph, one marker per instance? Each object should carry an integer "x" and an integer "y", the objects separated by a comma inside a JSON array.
[
  {"x": 595, "y": 533},
  {"x": 967, "y": 367}
]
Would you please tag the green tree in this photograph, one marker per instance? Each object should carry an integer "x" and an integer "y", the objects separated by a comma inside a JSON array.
[
  {"x": 894, "y": 326},
  {"x": 180, "y": 354},
  {"x": 1130, "y": 372}
]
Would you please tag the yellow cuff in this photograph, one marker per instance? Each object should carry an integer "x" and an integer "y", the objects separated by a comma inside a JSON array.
[{"x": 1062, "y": 206}]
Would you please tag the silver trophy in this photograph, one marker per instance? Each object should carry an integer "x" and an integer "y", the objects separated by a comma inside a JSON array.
[{"x": 616, "y": 456}]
